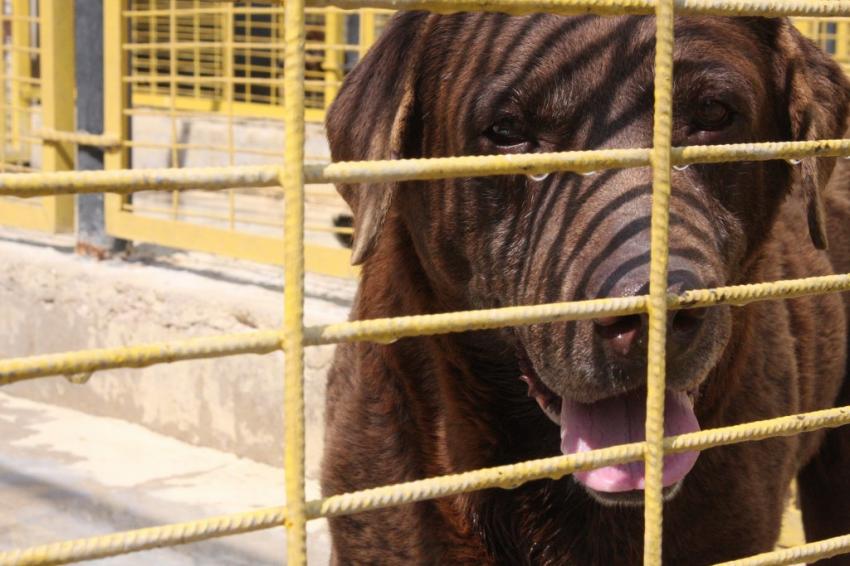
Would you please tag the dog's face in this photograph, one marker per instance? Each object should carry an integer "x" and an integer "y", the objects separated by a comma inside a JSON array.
[{"x": 438, "y": 86}]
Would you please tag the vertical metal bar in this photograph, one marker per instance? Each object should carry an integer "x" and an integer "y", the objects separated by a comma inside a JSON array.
[
  {"x": 21, "y": 68},
  {"x": 228, "y": 98},
  {"x": 57, "y": 101},
  {"x": 4, "y": 137},
  {"x": 367, "y": 30},
  {"x": 293, "y": 185},
  {"x": 153, "y": 38},
  {"x": 841, "y": 41},
  {"x": 808, "y": 27},
  {"x": 660, "y": 159},
  {"x": 333, "y": 54},
  {"x": 116, "y": 97},
  {"x": 196, "y": 61},
  {"x": 91, "y": 231},
  {"x": 172, "y": 99}
]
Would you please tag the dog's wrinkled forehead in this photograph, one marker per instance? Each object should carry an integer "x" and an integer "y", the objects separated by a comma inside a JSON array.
[
  {"x": 472, "y": 84},
  {"x": 565, "y": 71}
]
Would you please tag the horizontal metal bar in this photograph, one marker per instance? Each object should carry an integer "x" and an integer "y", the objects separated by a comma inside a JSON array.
[
  {"x": 78, "y": 366},
  {"x": 513, "y": 475},
  {"x": 239, "y": 218},
  {"x": 577, "y": 161},
  {"x": 508, "y": 477},
  {"x": 390, "y": 329},
  {"x": 126, "y": 542},
  {"x": 45, "y": 184},
  {"x": 833, "y": 8},
  {"x": 81, "y": 138},
  {"x": 802, "y": 554},
  {"x": 134, "y": 180}
]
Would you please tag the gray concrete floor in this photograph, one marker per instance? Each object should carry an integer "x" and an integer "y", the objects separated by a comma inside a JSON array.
[{"x": 66, "y": 474}]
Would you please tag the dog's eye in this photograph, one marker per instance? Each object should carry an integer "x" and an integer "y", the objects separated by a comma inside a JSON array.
[
  {"x": 507, "y": 132},
  {"x": 712, "y": 115}
]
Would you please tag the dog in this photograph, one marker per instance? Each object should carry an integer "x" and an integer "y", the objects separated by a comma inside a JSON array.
[{"x": 473, "y": 84}]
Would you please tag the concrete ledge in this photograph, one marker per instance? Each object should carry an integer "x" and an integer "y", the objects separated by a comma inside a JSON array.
[
  {"x": 54, "y": 301},
  {"x": 69, "y": 475}
]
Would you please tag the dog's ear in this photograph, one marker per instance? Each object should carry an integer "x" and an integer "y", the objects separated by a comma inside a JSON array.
[
  {"x": 370, "y": 119},
  {"x": 817, "y": 95}
]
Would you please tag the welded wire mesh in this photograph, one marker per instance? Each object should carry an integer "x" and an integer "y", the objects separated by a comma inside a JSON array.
[{"x": 293, "y": 337}]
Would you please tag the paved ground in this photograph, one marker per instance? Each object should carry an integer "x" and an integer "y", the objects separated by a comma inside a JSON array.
[{"x": 66, "y": 474}]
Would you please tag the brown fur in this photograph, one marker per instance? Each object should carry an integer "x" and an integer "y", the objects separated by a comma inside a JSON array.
[{"x": 433, "y": 86}]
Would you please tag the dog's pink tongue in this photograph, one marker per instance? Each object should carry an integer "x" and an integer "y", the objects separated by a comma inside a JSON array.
[{"x": 621, "y": 420}]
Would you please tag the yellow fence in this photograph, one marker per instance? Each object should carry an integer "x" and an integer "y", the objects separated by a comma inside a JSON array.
[
  {"x": 199, "y": 82},
  {"x": 294, "y": 336},
  {"x": 35, "y": 79},
  {"x": 230, "y": 56},
  {"x": 188, "y": 81}
]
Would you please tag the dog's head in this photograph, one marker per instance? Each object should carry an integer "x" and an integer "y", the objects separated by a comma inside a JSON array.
[{"x": 436, "y": 86}]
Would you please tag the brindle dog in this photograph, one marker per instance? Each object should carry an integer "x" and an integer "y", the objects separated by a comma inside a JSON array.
[{"x": 463, "y": 84}]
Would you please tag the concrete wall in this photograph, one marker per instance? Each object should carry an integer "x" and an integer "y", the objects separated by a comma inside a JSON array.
[{"x": 54, "y": 301}]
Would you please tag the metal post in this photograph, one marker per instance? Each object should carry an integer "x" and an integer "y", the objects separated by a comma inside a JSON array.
[
  {"x": 57, "y": 102},
  {"x": 659, "y": 247},
  {"x": 367, "y": 30},
  {"x": 116, "y": 100},
  {"x": 333, "y": 54},
  {"x": 91, "y": 230},
  {"x": 21, "y": 69},
  {"x": 292, "y": 180}
]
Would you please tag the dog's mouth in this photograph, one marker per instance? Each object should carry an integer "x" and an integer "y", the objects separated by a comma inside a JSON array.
[{"x": 619, "y": 419}]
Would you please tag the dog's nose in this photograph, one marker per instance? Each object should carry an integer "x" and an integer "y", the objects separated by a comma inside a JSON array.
[{"x": 626, "y": 336}]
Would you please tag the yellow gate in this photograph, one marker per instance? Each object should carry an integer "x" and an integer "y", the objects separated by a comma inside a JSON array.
[
  {"x": 190, "y": 66},
  {"x": 35, "y": 82}
]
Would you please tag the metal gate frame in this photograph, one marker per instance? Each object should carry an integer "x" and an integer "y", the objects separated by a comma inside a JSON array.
[{"x": 56, "y": 19}]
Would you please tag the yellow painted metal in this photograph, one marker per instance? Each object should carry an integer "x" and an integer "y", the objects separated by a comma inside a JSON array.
[
  {"x": 805, "y": 553},
  {"x": 367, "y": 30},
  {"x": 172, "y": 96},
  {"x": 800, "y": 8},
  {"x": 4, "y": 122},
  {"x": 232, "y": 39},
  {"x": 57, "y": 101},
  {"x": 842, "y": 38},
  {"x": 292, "y": 180},
  {"x": 230, "y": 243},
  {"x": 390, "y": 329},
  {"x": 115, "y": 101},
  {"x": 50, "y": 214},
  {"x": 145, "y": 539},
  {"x": 21, "y": 69},
  {"x": 209, "y": 105},
  {"x": 85, "y": 362},
  {"x": 513, "y": 475},
  {"x": 202, "y": 84},
  {"x": 657, "y": 305},
  {"x": 84, "y": 138},
  {"x": 334, "y": 57},
  {"x": 507, "y": 477},
  {"x": 216, "y": 178},
  {"x": 229, "y": 217},
  {"x": 831, "y": 34},
  {"x": 126, "y": 181},
  {"x": 293, "y": 337},
  {"x": 229, "y": 96}
]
